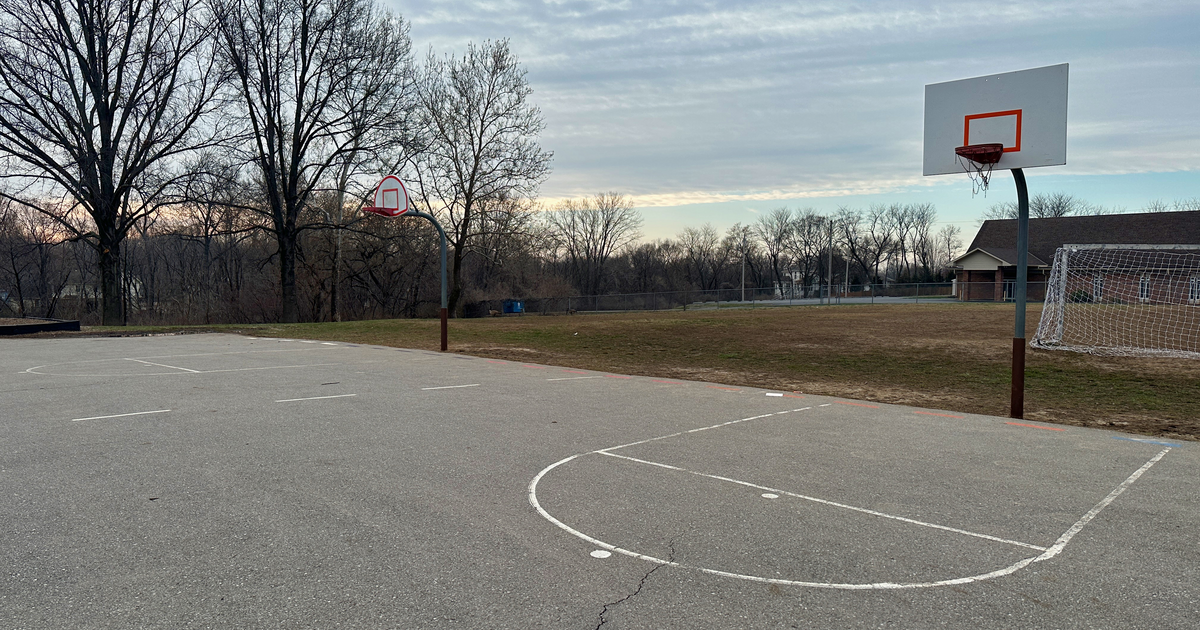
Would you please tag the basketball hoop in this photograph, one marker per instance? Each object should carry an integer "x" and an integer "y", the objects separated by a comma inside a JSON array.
[
  {"x": 391, "y": 198},
  {"x": 977, "y": 160}
]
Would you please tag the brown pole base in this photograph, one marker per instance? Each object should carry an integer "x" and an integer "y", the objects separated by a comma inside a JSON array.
[
  {"x": 444, "y": 330},
  {"x": 1017, "y": 406}
]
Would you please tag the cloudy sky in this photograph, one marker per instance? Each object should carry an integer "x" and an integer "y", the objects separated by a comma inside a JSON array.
[{"x": 719, "y": 111}]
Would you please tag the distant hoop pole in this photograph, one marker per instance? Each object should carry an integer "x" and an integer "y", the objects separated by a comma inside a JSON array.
[
  {"x": 445, "y": 293},
  {"x": 1017, "y": 405}
]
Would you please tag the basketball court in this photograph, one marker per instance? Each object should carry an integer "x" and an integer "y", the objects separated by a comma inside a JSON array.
[{"x": 219, "y": 480}]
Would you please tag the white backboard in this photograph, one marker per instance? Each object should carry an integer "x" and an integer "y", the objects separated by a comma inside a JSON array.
[
  {"x": 391, "y": 198},
  {"x": 1026, "y": 111}
]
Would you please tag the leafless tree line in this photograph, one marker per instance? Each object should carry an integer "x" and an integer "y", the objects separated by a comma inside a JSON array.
[
  {"x": 242, "y": 136},
  {"x": 204, "y": 161},
  {"x": 1060, "y": 204}
]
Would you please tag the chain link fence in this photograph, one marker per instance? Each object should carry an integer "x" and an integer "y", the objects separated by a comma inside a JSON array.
[{"x": 786, "y": 295}]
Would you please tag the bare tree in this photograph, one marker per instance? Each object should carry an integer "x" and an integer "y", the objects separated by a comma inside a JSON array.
[
  {"x": 1179, "y": 205},
  {"x": 481, "y": 144},
  {"x": 923, "y": 245},
  {"x": 849, "y": 223},
  {"x": 949, "y": 243},
  {"x": 704, "y": 255},
  {"x": 299, "y": 68},
  {"x": 806, "y": 240},
  {"x": 379, "y": 107},
  {"x": 773, "y": 231},
  {"x": 902, "y": 218},
  {"x": 509, "y": 233},
  {"x": 1186, "y": 205},
  {"x": 1157, "y": 205},
  {"x": 880, "y": 238},
  {"x": 1043, "y": 206},
  {"x": 741, "y": 242},
  {"x": 589, "y": 231},
  {"x": 97, "y": 98}
]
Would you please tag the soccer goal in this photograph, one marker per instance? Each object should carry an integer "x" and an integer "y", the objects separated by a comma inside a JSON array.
[{"x": 1123, "y": 300}]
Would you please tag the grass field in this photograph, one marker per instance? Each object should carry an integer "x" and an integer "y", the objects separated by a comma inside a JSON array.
[{"x": 946, "y": 356}]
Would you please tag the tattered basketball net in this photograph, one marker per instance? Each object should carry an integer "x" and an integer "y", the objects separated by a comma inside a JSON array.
[{"x": 977, "y": 160}]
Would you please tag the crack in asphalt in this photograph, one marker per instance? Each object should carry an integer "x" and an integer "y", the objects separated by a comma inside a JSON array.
[{"x": 641, "y": 583}]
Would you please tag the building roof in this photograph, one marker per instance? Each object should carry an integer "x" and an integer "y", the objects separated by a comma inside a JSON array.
[
  {"x": 1006, "y": 256},
  {"x": 1046, "y": 235}
]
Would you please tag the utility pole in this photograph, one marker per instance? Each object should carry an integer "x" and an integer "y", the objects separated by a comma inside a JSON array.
[
  {"x": 846, "y": 292},
  {"x": 829, "y": 280},
  {"x": 743, "y": 273}
]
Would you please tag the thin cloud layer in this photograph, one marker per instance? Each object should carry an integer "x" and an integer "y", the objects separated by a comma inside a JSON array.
[{"x": 678, "y": 103}]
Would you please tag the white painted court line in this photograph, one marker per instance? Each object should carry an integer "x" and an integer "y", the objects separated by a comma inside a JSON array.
[
  {"x": 573, "y": 378},
  {"x": 833, "y": 503},
  {"x": 173, "y": 367},
  {"x": 34, "y": 369},
  {"x": 450, "y": 386},
  {"x": 315, "y": 398},
  {"x": 268, "y": 367},
  {"x": 715, "y": 426},
  {"x": 121, "y": 415},
  {"x": 1049, "y": 553}
]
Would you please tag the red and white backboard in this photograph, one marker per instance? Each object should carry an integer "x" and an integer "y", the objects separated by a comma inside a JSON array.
[
  {"x": 391, "y": 198},
  {"x": 1026, "y": 111}
]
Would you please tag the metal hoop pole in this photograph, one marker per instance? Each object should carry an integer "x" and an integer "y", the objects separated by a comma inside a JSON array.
[
  {"x": 1017, "y": 402},
  {"x": 445, "y": 293}
]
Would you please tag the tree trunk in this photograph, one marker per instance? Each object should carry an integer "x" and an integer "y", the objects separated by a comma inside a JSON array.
[
  {"x": 289, "y": 309},
  {"x": 334, "y": 313},
  {"x": 111, "y": 313},
  {"x": 453, "y": 299}
]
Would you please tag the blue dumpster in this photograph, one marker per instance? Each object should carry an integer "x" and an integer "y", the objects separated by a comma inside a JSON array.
[{"x": 514, "y": 306}]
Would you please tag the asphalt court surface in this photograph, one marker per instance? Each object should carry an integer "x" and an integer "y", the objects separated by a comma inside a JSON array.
[{"x": 225, "y": 481}]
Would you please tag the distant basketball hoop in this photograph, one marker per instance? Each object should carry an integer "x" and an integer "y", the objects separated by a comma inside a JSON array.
[
  {"x": 391, "y": 198},
  {"x": 977, "y": 160}
]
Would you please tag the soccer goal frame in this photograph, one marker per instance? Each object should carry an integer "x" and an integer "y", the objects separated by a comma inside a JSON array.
[{"x": 1123, "y": 300}]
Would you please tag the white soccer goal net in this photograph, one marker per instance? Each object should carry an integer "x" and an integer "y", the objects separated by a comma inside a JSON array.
[{"x": 1125, "y": 300}]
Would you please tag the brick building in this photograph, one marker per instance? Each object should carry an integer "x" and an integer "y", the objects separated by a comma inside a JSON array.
[{"x": 988, "y": 271}]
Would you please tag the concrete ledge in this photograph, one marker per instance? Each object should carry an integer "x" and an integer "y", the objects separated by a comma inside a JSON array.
[{"x": 38, "y": 324}]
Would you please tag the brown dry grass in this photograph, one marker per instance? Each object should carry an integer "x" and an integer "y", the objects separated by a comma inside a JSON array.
[{"x": 945, "y": 356}]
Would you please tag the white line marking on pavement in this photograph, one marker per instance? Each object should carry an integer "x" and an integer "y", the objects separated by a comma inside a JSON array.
[
  {"x": 316, "y": 398},
  {"x": 573, "y": 378},
  {"x": 173, "y": 367},
  {"x": 715, "y": 426},
  {"x": 775, "y": 394},
  {"x": 268, "y": 367},
  {"x": 121, "y": 415},
  {"x": 450, "y": 386},
  {"x": 834, "y": 503},
  {"x": 1062, "y": 541},
  {"x": 1051, "y": 552}
]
